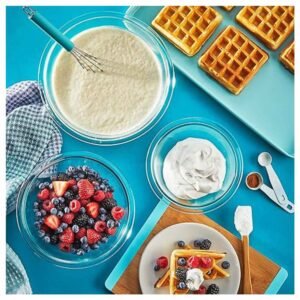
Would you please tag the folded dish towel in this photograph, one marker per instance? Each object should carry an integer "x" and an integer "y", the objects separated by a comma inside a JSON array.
[{"x": 31, "y": 136}]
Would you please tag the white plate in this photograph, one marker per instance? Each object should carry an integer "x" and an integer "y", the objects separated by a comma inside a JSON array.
[{"x": 166, "y": 241}]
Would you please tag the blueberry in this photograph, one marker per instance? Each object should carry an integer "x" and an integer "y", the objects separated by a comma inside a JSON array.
[
  {"x": 81, "y": 175},
  {"x": 64, "y": 225},
  {"x": 38, "y": 214},
  {"x": 83, "y": 240},
  {"x": 181, "y": 261},
  {"x": 117, "y": 224},
  {"x": 61, "y": 199},
  {"x": 95, "y": 246},
  {"x": 103, "y": 210},
  {"x": 60, "y": 214},
  {"x": 55, "y": 201},
  {"x": 50, "y": 186},
  {"x": 75, "y": 228},
  {"x": 59, "y": 230},
  {"x": 41, "y": 233},
  {"x": 80, "y": 252},
  {"x": 102, "y": 186},
  {"x": 53, "y": 211},
  {"x": 35, "y": 204},
  {"x": 47, "y": 239},
  {"x": 156, "y": 268},
  {"x": 85, "y": 169},
  {"x": 41, "y": 186},
  {"x": 102, "y": 217},
  {"x": 37, "y": 224},
  {"x": 181, "y": 244},
  {"x": 43, "y": 212},
  {"x": 82, "y": 210},
  {"x": 74, "y": 189},
  {"x": 110, "y": 223},
  {"x": 66, "y": 210},
  {"x": 225, "y": 264},
  {"x": 91, "y": 221},
  {"x": 35, "y": 210},
  {"x": 53, "y": 177},
  {"x": 181, "y": 285},
  {"x": 197, "y": 243},
  {"x": 104, "y": 239},
  {"x": 71, "y": 169}
]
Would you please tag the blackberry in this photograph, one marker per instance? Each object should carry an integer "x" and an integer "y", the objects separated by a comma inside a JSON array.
[
  {"x": 54, "y": 239},
  {"x": 81, "y": 220},
  {"x": 69, "y": 195},
  {"x": 205, "y": 244},
  {"x": 77, "y": 244},
  {"x": 62, "y": 176},
  {"x": 60, "y": 206},
  {"x": 181, "y": 273},
  {"x": 109, "y": 204},
  {"x": 213, "y": 289}
]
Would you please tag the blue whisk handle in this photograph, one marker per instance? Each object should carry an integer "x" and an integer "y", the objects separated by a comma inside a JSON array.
[{"x": 50, "y": 29}]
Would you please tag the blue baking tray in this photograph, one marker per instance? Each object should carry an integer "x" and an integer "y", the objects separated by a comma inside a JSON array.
[{"x": 266, "y": 104}]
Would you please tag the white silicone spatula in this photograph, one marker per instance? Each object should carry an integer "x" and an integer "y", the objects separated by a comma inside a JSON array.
[{"x": 243, "y": 224}]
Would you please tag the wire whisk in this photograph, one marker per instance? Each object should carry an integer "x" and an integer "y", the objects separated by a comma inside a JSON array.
[{"x": 87, "y": 61}]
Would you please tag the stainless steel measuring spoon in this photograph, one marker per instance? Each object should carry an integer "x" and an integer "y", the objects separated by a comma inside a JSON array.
[{"x": 287, "y": 206}]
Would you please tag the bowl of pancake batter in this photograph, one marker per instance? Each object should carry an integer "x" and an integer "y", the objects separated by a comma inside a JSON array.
[{"x": 125, "y": 100}]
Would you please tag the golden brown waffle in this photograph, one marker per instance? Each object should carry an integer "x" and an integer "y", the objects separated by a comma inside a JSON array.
[
  {"x": 233, "y": 59},
  {"x": 163, "y": 281},
  {"x": 187, "y": 253},
  {"x": 271, "y": 24},
  {"x": 228, "y": 8},
  {"x": 287, "y": 57},
  {"x": 187, "y": 27}
]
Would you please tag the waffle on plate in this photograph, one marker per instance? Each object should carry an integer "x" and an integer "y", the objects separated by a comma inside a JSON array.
[
  {"x": 228, "y": 8},
  {"x": 271, "y": 24},
  {"x": 187, "y": 27},
  {"x": 287, "y": 57},
  {"x": 233, "y": 59}
]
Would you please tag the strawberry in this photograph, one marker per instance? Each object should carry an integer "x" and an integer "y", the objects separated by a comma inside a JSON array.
[
  {"x": 117, "y": 212},
  {"x": 100, "y": 226},
  {"x": 84, "y": 202},
  {"x": 47, "y": 205},
  {"x": 193, "y": 262},
  {"x": 43, "y": 194},
  {"x": 162, "y": 262},
  {"x": 75, "y": 206},
  {"x": 52, "y": 222},
  {"x": 72, "y": 182},
  {"x": 81, "y": 233},
  {"x": 99, "y": 196},
  {"x": 64, "y": 247},
  {"x": 92, "y": 209},
  {"x": 60, "y": 187},
  {"x": 108, "y": 195},
  {"x": 67, "y": 236},
  {"x": 111, "y": 231},
  {"x": 68, "y": 218},
  {"x": 202, "y": 290},
  {"x": 86, "y": 189},
  {"x": 205, "y": 262},
  {"x": 93, "y": 236}
]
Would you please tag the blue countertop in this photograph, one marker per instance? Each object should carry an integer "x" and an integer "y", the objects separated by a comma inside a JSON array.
[{"x": 273, "y": 233}]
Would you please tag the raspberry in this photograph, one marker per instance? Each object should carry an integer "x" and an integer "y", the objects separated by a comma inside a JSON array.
[
  {"x": 92, "y": 236},
  {"x": 68, "y": 218},
  {"x": 72, "y": 182},
  {"x": 205, "y": 262},
  {"x": 99, "y": 196},
  {"x": 86, "y": 189},
  {"x": 202, "y": 290},
  {"x": 193, "y": 262},
  {"x": 117, "y": 213},
  {"x": 64, "y": 247},
  {"x": 81, "y": 233},
  {"x": 111, "y": 231},
  {"x": 108, "y": 195},
  {"x": 84, "y": 202},
  {"x": 75, "y": 206},
  {"x": 43, "y": 194},
  {"x": 162, "y": 262},
  {"x": 67, "y": 236},
  {"x": 100, "y": 226},
  {"x": 47, "y": 205}
]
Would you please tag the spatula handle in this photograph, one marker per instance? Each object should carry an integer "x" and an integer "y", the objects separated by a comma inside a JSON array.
[{"x": 247, "y": 284}]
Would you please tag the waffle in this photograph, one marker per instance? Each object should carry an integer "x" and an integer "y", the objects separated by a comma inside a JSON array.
[
  {"x": 163, "y": 281},
  {"x": 228, "y": 8},
  {"x": 287, "y": 57},
  {"x": 187, "y": 27},
  {"x": 271, "y": 24},
  {"x": 213, "y": 272},
  {"x": 233, "y": 59}
]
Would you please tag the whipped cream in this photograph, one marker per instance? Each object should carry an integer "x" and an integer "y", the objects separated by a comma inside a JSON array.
[
  {"x": 194, "y": 279},
  {"x": 194, "y": 168}
]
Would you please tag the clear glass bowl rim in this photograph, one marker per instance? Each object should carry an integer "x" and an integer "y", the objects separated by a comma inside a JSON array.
[
  {"x": 46, "y": 164},
  {"x": 169, "y": 86},
  {"x": 231, "y": 142}
]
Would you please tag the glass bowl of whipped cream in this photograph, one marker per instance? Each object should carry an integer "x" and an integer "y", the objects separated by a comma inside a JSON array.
[
  {"x": 194, "y": 165},
  {"x": 125, "y": 100}
]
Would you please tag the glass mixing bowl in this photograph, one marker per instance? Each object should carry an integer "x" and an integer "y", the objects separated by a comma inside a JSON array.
[
  {"x": 28, "y": 193},
  {"x": 179, "y": 130},
  {"x": 92, "y": 20}
]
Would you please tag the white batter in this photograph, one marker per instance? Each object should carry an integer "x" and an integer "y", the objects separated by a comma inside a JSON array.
[
  {"x": 194, "y": 168},
  {"x": 118, "y": 101}
]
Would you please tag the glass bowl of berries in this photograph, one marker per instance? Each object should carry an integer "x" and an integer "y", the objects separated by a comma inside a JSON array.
[{"x": 76, "y": 210}]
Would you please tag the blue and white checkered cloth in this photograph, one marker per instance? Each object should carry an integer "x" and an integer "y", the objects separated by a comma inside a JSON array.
[{"x": 31, "y": 137}]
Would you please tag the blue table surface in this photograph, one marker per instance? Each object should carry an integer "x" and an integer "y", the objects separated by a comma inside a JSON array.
[{"x": 273, "y": 233}]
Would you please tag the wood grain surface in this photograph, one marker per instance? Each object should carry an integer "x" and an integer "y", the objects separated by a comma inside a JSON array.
[{"x": 263, "y": 270}]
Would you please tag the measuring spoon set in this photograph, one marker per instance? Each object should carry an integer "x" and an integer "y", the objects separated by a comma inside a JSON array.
[{"x": 276, "y": 193}]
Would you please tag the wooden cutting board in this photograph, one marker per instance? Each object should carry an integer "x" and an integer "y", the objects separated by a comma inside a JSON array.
[{"x": 263, "y": 270}]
